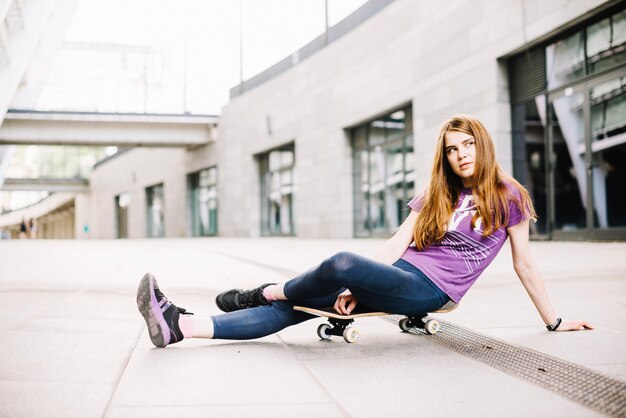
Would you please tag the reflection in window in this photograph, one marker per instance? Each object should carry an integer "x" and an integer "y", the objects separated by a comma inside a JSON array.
[
  {"x": 155, "y": 207},
  {"x": 277, "y": 183},
  {"x": 121, "y": 214},
  {"x": 565, "y": 60},
  {"x": 606, "y": 43},
  {"x": 203, "y": 202},
  {"x": 383, "y": 162},
  {"x": 608, "y": 150}
]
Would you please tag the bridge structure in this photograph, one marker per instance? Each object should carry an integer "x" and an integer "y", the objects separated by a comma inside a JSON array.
[{"x": 30, "y": 127}]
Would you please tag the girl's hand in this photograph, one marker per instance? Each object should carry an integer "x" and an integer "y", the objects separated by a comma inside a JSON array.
[
  {"x": 346, "y": 303},
  {"x": 574, "y": 326}
]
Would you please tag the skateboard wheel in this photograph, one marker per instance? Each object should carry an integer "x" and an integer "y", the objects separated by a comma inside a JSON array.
[
  {"x": 321, "y": 331},
  {"x": 431, "y": 326},
  {"x": 351, "y": 335},
  {"x": 404, "y": 324}
]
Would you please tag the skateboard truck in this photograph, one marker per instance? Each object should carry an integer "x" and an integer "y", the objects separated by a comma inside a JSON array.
[
  {"x": 339, "y": 328},
  {"x": 422, "y": 322}
]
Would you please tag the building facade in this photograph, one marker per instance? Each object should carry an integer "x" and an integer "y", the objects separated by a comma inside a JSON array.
[{"x": 336, "y": 143}]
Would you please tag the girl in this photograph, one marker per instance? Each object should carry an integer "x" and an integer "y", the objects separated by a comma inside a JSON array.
[{"x": 457, "y": 225}]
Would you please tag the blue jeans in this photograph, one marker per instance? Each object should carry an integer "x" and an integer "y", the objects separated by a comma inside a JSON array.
[{"x": 400, "y": 289}]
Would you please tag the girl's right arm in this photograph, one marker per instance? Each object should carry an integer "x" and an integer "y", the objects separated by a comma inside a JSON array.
[
  {"x": 529, "y": 275},
  {"x": 393, "y": 249}
]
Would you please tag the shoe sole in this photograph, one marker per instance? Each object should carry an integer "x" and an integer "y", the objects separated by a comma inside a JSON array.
[{"x": 151, "y": 311}]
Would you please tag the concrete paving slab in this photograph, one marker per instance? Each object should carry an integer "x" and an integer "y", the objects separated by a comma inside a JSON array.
[
  {"x": 29, "y": 301},
  {"x": 95, "y": 303},
  {"x": 10, "y": 320},
  {"x": 53, "y": 399},
  {"x": 309, "y": 410},
  {"x": 211, "y": 373},
  {"x": 79, "y": 326},
  {"x": 63, "y": 357}
]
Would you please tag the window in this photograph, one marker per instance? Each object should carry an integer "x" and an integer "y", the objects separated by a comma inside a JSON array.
[
  {"x": 203, "y": 202},
  {"x": 155, "y": 207},
  {"x": 277, "y": 191},
  {"x": 383, "y": 173}
]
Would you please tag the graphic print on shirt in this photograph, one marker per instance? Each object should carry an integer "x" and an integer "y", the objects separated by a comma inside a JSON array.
[{"x": 470, "y": 250}]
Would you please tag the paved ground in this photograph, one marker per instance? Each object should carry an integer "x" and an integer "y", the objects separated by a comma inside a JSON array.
[{"x": 73, "y": 344}]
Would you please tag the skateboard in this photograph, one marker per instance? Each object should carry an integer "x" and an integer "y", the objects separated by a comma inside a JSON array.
[{"x": 339, "y": 325}]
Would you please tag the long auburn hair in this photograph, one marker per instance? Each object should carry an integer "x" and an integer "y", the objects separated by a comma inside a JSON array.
[{"x": 491, "y": 187}]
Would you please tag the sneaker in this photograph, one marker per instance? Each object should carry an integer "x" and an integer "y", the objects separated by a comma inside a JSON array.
[
  {"x": 236, "y": 299},
  {"x": 160, "y": 314}
]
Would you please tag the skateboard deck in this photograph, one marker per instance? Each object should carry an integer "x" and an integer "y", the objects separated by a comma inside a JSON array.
[
  {"x": 331, "y": 313},
  {"x": 339, "y": 325}
]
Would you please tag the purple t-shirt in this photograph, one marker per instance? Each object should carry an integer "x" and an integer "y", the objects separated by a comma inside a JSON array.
[{"x": 455, "y": 262}]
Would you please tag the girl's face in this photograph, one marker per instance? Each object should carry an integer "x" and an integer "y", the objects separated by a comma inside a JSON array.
[{"x": 460, "y": 149}]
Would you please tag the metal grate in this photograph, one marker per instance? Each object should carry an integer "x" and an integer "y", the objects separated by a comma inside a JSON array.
[{"x": 578, "y": 383}]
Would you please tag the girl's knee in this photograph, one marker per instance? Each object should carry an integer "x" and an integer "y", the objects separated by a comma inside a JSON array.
[{"x": 341, "y": 263}]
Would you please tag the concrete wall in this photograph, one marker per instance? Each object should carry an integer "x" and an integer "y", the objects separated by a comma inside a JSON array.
[{"x": 442, "y": 57}]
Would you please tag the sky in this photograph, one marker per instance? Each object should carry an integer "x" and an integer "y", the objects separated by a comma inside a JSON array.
[{"x": 202, "y": 40}]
